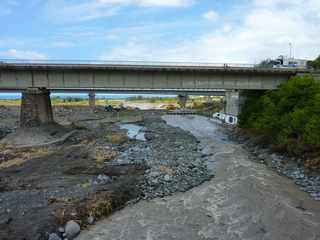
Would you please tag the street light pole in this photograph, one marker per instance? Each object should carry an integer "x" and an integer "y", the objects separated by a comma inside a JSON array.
[{"x": 290, "y": 47}]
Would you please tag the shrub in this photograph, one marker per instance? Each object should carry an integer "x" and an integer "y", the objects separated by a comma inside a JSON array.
[
  {"x": 314, "y": 64},
  {"x": 289, "y": 116}
]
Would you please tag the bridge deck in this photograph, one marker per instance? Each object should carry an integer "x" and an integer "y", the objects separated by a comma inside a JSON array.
[
  {"x": 140, "y": 76},
  {"x": 145, "y": 66}
]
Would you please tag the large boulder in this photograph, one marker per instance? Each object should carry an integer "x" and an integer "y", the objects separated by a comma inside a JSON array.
[{"x": 72, "y": 229}]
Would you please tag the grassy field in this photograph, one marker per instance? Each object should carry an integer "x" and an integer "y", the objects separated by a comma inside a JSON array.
[{"x": 10, "y": 102}]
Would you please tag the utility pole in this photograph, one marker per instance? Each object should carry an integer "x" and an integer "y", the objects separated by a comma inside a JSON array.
[{"x": 290, "y": 49}]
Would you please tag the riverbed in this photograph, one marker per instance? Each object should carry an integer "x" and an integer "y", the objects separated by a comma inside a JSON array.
[{"x": 245, "y": 200}]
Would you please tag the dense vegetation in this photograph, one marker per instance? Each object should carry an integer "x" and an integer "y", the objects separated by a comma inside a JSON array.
[
  {"x": 288, "y": 118},
  {"x": 314, "y": 64}
]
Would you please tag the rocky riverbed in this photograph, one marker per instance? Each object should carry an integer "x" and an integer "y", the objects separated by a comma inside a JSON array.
[
  {"x": 172, "y": 157},
  {"x": 48, "y": 192}
]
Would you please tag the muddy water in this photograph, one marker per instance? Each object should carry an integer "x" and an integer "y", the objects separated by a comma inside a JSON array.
[{"x": 245, "y": 200}]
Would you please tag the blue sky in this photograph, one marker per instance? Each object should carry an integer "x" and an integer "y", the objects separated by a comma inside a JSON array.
[{"x": 159, "y": 30}]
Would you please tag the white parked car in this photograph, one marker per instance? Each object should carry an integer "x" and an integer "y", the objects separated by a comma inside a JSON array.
[
  {"x": 232, "y": 120},
  {"x": 220, "y": 116},
  {"x": 226, "y": 118}
]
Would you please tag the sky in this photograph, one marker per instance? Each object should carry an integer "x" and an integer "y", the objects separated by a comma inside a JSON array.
[{"x": 221, "y": 31}]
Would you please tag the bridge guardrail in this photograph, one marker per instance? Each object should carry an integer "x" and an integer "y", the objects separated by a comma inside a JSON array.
[
  {"x": 55, "y": 62},
  {"x": 116, "y": 62}
]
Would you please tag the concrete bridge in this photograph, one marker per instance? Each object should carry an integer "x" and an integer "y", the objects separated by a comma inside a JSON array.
[
  {"x": 135, "y": 77},
  {"x": 139, "y": 76}
]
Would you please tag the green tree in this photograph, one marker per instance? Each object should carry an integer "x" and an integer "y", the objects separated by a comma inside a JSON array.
[
  {"x": 314, "y": 64},
  {"x": 289, "y": 116}
]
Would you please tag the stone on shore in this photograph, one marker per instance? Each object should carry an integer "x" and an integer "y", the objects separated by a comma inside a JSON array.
[{"x": 72, "y": 229}]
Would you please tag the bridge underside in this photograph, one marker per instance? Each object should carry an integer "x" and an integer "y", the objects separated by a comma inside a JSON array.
[
  {"x": 199, "y": 92},
  {"x": 165, "y": 81}
]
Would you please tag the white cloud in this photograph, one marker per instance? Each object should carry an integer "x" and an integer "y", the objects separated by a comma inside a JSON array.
[
  {"x": 61, "y": 10},
  {"x": 210, "y": 15},
  {"x": 62, "y": 44},
  {"x": 266, "y": 29},
  {"x": 137, "y": 52},
  {"x": 6, "y": 7},
  {"x": 150, "y": 3},
  {"x": 18, "y": 54},
  {"x": 163, "y": 3},
  {"x": 4, "y": 11}
]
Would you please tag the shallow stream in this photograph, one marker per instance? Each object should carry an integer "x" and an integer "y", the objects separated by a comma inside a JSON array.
[{"x": 134, "y": 131}]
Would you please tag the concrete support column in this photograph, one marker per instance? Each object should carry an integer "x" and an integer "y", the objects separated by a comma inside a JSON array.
[
  {"x": 232, "y": 102},
  {"x": 182, "y": 100},
  {"x": 36, "y": 108},
  {"x": 92, "y": 100}
]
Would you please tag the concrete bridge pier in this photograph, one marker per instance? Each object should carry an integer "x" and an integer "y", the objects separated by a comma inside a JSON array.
[
  {"x": 232, "y": 102},
  {"x": 92, "y": 99},
  {"x": 182, "y": 100},
  {"x": 36, "y": 108},
  {"x": 234, "y": 99}
]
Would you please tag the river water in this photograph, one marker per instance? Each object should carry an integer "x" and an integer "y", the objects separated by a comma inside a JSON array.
[
  {"x": 134, "y": 131},
  {"x": 245, "y": 200}
]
